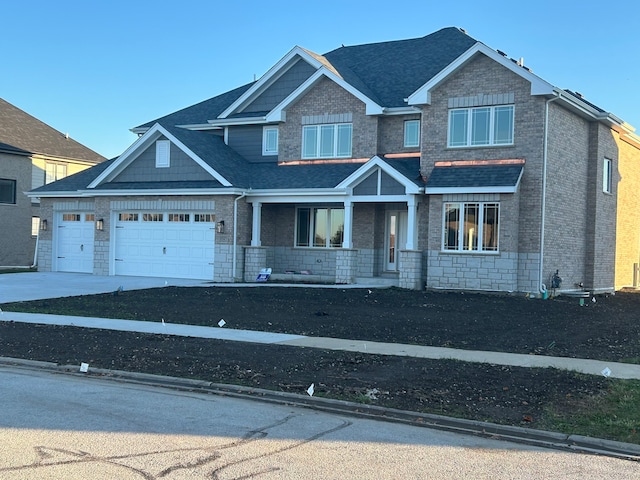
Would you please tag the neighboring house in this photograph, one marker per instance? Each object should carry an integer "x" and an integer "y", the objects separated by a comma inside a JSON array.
[
  {"x": 32, "y": 154},
  {"x": 434, "y": 162}
]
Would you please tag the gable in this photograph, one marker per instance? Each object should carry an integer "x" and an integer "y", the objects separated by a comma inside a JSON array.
[
  {"x": 181, "y": 167},
  {"x": 537, "y": 85},
  {"x": 377, "y": 177},
  {"x": 281, "y": 88},
  {"x": 148, "y": 141}
]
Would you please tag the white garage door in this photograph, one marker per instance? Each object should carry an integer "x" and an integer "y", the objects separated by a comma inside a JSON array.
[
  {"x": 75, "y": 242},
  {"x": 165, "y": 244}
]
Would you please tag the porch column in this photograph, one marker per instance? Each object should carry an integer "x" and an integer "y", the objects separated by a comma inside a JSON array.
[
  {"x": 347, "y": 241},
  {"x": 412, "y": 217},
  {"x": 256, "y": 224}
]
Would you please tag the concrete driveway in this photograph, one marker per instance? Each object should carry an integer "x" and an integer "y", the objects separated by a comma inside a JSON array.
[{"x": 19, "y": 287}]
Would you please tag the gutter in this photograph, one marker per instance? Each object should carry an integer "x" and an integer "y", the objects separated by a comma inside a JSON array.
[{"x": 545, "y": 155}]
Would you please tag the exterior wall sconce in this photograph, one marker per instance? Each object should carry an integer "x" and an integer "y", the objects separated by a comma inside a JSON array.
[
  {"x": 220, "y": 226},
  {"x": 100, "y": 224},
  {"x": 44, "y": 225}
]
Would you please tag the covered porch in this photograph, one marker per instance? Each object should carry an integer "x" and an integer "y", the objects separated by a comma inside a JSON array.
[{"x": 364, "y": 231}]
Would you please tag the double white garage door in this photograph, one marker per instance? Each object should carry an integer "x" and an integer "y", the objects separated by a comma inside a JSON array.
[
  {"x": 144, "y": 244},
  {"x": 164, "y": 244}
]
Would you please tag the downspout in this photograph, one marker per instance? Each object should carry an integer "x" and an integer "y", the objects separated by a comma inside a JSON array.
[
  {"x": 235, "y": 233},
  {"x": 545, "y": 155}
]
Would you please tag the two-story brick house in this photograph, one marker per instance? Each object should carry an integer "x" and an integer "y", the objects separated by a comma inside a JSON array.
[
  {"x": 434, "y": 162},
  {"x": 31, "y": 154}
]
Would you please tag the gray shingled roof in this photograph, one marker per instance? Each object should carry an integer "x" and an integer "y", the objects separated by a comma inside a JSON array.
[
  {"x": 22, "y": 131},
  {"x": 392, "y": 71},
  {"x": 474, "y": 176},
  {"x": 201, "y": 112}
]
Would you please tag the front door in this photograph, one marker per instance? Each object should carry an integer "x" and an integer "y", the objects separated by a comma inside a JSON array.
[{"x": 395, "y": 238}]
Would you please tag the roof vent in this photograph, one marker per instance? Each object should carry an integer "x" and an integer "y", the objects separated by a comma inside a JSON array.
[
  {"x": 501, "y": 53},
  {"x": 463, "y": 30},
  {"x": 521, "y": 62},
  {"x": 578, "y": 94}
]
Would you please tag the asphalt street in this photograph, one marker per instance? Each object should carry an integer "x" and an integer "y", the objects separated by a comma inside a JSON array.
[{"x": 77, "y": 427}]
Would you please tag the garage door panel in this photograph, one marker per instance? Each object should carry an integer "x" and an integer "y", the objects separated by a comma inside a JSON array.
[
  {"x": 162, "y": 248},
  {"x": 74, "y": 242}
]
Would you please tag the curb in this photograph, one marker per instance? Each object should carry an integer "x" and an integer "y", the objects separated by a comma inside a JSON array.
[{"x": 532, "y": 437}]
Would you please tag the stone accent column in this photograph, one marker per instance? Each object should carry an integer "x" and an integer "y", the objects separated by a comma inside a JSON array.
[
  {"x": 346, "y": 265},
  {"x": 255, "y": 259},
  {"x": 410, "y": 269}
]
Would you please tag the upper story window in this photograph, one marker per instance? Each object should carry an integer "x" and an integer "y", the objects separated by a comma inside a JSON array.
[
  {"x": 327, "y": 141},
  {"x": 606, "y": 176},
  {"x": 471, "y": 227},
  {"x": 163, "y": 153},
  {"x": 412, "y": 133},
  {"x": 270, "y": 141},
  {"x": 54, "y": 171},
  {"x": 481, "y": 126},
  {"x": 7, "y": 191}
]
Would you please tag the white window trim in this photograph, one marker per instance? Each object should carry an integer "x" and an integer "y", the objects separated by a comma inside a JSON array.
[
  {"x": 417, "y": 141},
  {"x": 607, "y": 176},
  {"x": 319, "y": 139},
  {"x": 265, "y": 143},
  {"x": 163, "y": 153},
  {"x": 480, "y": 235},
  {"x": 469, "y": 133}
]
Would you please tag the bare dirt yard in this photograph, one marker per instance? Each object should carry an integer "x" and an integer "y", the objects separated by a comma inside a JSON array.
[{"x": 606, "y": 328}]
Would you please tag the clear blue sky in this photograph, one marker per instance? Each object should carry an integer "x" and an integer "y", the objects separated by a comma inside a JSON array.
[{"x": 95, "y": 69}]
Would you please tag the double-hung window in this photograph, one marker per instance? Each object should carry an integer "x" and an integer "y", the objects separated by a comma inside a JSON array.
[
  {"x": 319, "y": 227},
  {"x": 412, "y": 133},
  {"x": 327, "y": 141},
  {"x": 471, "y": 227},
  {"x": 270, "y": 141},
  {"x": 481, "y": 126},
  {"x": 54, "y": 171}
]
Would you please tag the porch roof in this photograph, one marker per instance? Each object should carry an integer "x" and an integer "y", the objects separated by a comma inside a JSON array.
[{"x": 474, "y": 178}]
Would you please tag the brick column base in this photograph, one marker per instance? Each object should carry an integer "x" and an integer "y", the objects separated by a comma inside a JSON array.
[
  {"x": 410, "y": 269},
  {"x": 346, "y": 265},
  {"x": 255, "y": 259}
]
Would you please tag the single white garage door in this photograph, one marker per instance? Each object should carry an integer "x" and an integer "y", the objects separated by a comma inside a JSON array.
[
  {"x": 74, "y": 233},
  {"x": 165, "y": 244}
]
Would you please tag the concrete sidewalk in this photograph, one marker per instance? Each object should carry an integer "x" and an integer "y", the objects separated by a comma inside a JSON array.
[{"x": 591, "y": 367}]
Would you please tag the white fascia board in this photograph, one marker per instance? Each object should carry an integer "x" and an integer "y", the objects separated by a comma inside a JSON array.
[
  {"x": 226, "y": 122},
  {"x": 296, "y": 196},
  {"x": 445, "y": 190},
  {"x": 163, "y": 192},
  {"x": 144, "y": 142},
  {"x": 277, "y": 114},
  {"x": 423, "y": 94},
  {"x": 410, "y": 110},
  {"x": 377, "y": 163},
  {"x": 272, "y": 74}
]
